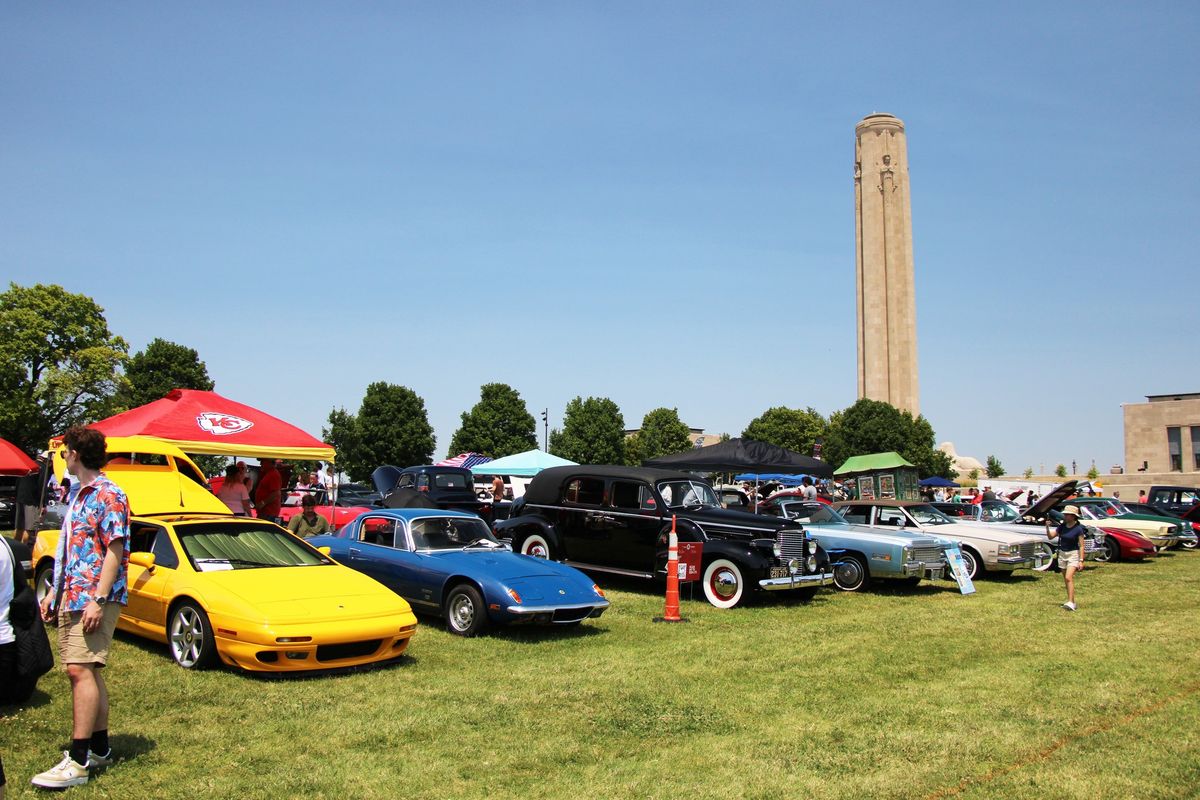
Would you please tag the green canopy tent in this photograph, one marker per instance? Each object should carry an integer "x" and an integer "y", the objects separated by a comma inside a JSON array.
[{"x": 881, "y": 475}]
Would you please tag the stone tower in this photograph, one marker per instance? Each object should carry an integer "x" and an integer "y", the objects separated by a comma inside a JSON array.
[{"x": 887, "y": 312}]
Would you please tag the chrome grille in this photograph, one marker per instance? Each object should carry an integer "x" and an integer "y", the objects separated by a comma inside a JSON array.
[
  {"x": 1028, "y": 549},
  {"x": 928, "y": 555},
  {"x": 791, "y": 544}
]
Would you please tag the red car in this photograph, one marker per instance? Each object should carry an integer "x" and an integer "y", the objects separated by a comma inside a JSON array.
[
  {"x": 338, "y": 514},
  {"x": 1121, "y": 544}
]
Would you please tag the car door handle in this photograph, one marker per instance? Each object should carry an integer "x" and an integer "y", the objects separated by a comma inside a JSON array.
[{"x": 354, "y": 551}]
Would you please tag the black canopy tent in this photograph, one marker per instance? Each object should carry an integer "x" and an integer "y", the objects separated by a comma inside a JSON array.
[{"x": 743, "y": 455}]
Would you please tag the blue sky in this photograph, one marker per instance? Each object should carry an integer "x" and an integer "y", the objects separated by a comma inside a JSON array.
[{"x": 649, "y": 202}]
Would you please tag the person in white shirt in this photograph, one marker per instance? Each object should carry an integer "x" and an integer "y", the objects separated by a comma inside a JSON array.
[{"x": 234, "y": 493}]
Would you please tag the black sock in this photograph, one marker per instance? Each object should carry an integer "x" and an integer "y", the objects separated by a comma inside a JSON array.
[
  {"x": 79, "y": 748},
  {"x": 99, "y": 742}
]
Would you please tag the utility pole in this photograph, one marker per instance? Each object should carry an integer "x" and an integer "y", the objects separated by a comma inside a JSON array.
[{"x": 546, "y": 430}]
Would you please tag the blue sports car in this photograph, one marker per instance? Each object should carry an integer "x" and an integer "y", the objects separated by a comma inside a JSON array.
[{"x": 449, "y": 563}]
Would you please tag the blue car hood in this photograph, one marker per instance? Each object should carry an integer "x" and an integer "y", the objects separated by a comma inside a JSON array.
[{"x": 503, "y": 564}]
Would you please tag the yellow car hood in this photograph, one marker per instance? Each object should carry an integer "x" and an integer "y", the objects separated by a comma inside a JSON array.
[{"x": 288, "y": 595}]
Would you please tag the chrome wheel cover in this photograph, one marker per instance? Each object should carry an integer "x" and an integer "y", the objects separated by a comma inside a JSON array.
[
  {"x": 187, "y": 637},
  {"x": 724, "y": 583},
  {"x": 462, "y": 612},
  {"x": 848, "y": 575}
]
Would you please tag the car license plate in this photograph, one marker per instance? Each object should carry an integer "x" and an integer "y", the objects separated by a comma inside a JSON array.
[{"x": 779, "y": 572}]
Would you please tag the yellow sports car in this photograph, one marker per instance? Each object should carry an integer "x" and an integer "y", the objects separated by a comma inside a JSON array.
[{"x": 243, "y": 591}]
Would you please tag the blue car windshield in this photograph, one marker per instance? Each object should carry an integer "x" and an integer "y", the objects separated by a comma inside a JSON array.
[{"x": 451, "y": 533}]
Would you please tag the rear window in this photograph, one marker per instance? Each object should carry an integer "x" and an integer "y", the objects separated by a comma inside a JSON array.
[
  {"x": 585, "y": 491},
  {"x": 452, "y": 480}
]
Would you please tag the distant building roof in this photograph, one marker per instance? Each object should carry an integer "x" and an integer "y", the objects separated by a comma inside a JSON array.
[{"x": 1159, "y": 398}]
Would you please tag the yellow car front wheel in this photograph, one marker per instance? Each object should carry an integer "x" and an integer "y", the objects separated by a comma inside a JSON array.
[{"x": 191, "y": 638}]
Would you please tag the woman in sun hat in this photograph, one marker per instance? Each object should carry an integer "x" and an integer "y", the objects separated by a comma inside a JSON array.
[{"x": 1071, "y": 535}]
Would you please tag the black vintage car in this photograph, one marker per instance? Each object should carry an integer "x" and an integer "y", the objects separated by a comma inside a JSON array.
[
  {"x": 616, "y": 519},
  {"x": 430, "y": 486}
]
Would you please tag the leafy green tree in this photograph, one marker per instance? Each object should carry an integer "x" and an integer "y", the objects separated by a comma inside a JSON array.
[
  {"x": 973, "y": 475},
  {"x": 161, "y": 367},
  {"x": 662, "y": 433},
  {"x": 593, "y": 432},
  {"x": 1061, "y": 470},
  {"x": 498, "y": 425},
  {"x": 872, "y": 426},
  {"x": 392, "y": 428},
  {"x": 1028, "y": 472},
  {"x": 342, "y": 433},
  {"x": 793, "y": 428},
  {"x": 59, "y": 364},
  {"x": 994, "y": 468},
  {"x": 1093, "y": 473}
]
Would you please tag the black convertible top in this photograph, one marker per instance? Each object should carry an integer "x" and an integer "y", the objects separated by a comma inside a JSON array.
[{"x": 546, "y": 486}]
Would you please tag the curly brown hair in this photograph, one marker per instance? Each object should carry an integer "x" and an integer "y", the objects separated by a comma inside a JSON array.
[{"x": 89, "y": 443}]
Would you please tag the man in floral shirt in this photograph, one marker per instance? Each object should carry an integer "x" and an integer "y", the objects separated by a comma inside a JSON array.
[{"x": 90, "y": 587}]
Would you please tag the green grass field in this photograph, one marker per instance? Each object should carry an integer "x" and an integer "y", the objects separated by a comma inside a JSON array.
[{"x": 894, "y": 693}]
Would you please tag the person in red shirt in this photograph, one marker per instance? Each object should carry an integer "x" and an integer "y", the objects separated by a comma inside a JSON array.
[{"x": 267, "y": 494}]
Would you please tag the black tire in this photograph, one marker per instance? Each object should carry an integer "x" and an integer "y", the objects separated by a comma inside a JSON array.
[
  {"x": 851, "y": 574},
  {"x": 973, "y": 563},
  {"x": 1111, "y": 552},
  {"x": 43, "y": 584},
  {"x": 190, "y": 637},
  {"x": 1190, "y": 545},
  {"x": 465, "y": 613}
]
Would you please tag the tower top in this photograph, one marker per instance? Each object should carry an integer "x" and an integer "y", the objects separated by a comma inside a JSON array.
[{"x": 879, "y": 121}]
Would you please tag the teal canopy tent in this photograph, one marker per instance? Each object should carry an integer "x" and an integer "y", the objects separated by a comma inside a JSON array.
[{"x": 523, "y": 465}]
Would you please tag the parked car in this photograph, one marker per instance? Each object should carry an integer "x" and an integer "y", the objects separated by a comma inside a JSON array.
[
  {"x": 1176, "y": 499},
  {"x": 1120, "y": 516},
  {"x": 616, "y": 520},
  {"x": 449, "y": 563},
  {"x": 1030, "y": 521},
  {"x": 337, "y": 514},
  {"x": 430, "y": 486},
  {"x": 862, "y": 553},
  {"x": 983, "y": 547},
  {"x": 1163, "y": 534},
  {"x": 245, "y": 592}
]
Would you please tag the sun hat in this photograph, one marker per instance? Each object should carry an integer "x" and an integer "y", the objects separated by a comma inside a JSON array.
[{"x": 1072, "y": 510}]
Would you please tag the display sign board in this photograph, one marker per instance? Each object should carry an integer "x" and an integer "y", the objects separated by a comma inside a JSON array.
[
  {"x": 691, "y": 554},
  {"x": 866, "y": 488},
  {"x": 959, "y": 568}
]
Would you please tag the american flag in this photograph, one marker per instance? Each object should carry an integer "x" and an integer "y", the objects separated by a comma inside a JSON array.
[{"x": 464, "y": 460}]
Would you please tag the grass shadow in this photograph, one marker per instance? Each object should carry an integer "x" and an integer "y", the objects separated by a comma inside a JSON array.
[
  {"x": 36, "y": 700},
  {"x": 524, "y": 634}
]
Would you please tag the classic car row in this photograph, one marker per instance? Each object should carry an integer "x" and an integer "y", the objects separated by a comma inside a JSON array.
[{"x": 216, "y": 588}]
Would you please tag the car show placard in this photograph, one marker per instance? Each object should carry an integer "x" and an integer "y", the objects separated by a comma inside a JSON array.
[
  {"x": 691, "y": 554},
  {"x": 959, "y": 568}
]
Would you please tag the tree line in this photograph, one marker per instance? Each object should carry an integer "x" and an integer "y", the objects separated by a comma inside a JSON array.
[{"x": 60, "y": 365}]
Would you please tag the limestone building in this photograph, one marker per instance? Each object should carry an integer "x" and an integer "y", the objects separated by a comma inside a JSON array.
[
  {"x": 1162, "y": 438},
  {"x": 887, "y": 312}
]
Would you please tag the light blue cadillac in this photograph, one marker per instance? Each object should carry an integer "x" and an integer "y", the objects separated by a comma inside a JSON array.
[{"x": 862, "y": 553}]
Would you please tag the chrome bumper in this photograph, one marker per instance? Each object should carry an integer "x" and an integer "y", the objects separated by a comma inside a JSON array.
[
  {"x": 795, "y": 581},
  {"x": 1020, "y": 562},
  {"x": 921, "y": 569},
  {"x": 598, "y": 608}
]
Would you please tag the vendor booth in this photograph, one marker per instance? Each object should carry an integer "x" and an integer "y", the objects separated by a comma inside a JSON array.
[{"x": 881, "y": 476}]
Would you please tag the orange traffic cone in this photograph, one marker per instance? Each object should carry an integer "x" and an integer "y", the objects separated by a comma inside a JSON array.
[{"x": 671, "y": 612}]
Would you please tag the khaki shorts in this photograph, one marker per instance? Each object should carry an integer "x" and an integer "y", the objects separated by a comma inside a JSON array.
[
  {"x": 77, "y": 647},
  {"x": 1068, "y": 559}
]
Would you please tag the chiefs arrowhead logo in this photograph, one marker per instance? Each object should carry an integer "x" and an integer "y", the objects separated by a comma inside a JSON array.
[{"x": 222, "y": 424}]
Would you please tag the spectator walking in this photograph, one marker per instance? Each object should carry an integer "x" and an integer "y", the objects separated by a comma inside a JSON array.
[
  {"x": 89, "y": 588},
  {"x": 807, "y": 490},
  {"x": 1141, "y": 495},
  {"x": 267, "y": 495},
  {"x": 29, "y": 504},
  {"x": 1071, "y": 537},
  {"x": 234, "y": 494}
]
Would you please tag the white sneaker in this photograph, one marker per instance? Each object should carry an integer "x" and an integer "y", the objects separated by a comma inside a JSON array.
[
  {"x": 1069, "y": 606},
  {"x": 96, "y": 760},
  {"x": 65, "y": 774}
]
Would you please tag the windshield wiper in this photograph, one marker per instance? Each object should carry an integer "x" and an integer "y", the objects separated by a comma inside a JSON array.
[
  {"x": 484, "y": 542},
  {"x": 242, "y": 561}
]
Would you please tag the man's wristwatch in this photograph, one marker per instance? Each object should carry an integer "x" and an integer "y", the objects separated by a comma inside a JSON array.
[{"x": 100, "y": 601}]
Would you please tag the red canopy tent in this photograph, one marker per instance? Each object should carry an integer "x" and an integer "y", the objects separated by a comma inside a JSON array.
[
  {"x": 205, "y": 422},
  {"x": 13, "y": 460}
]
